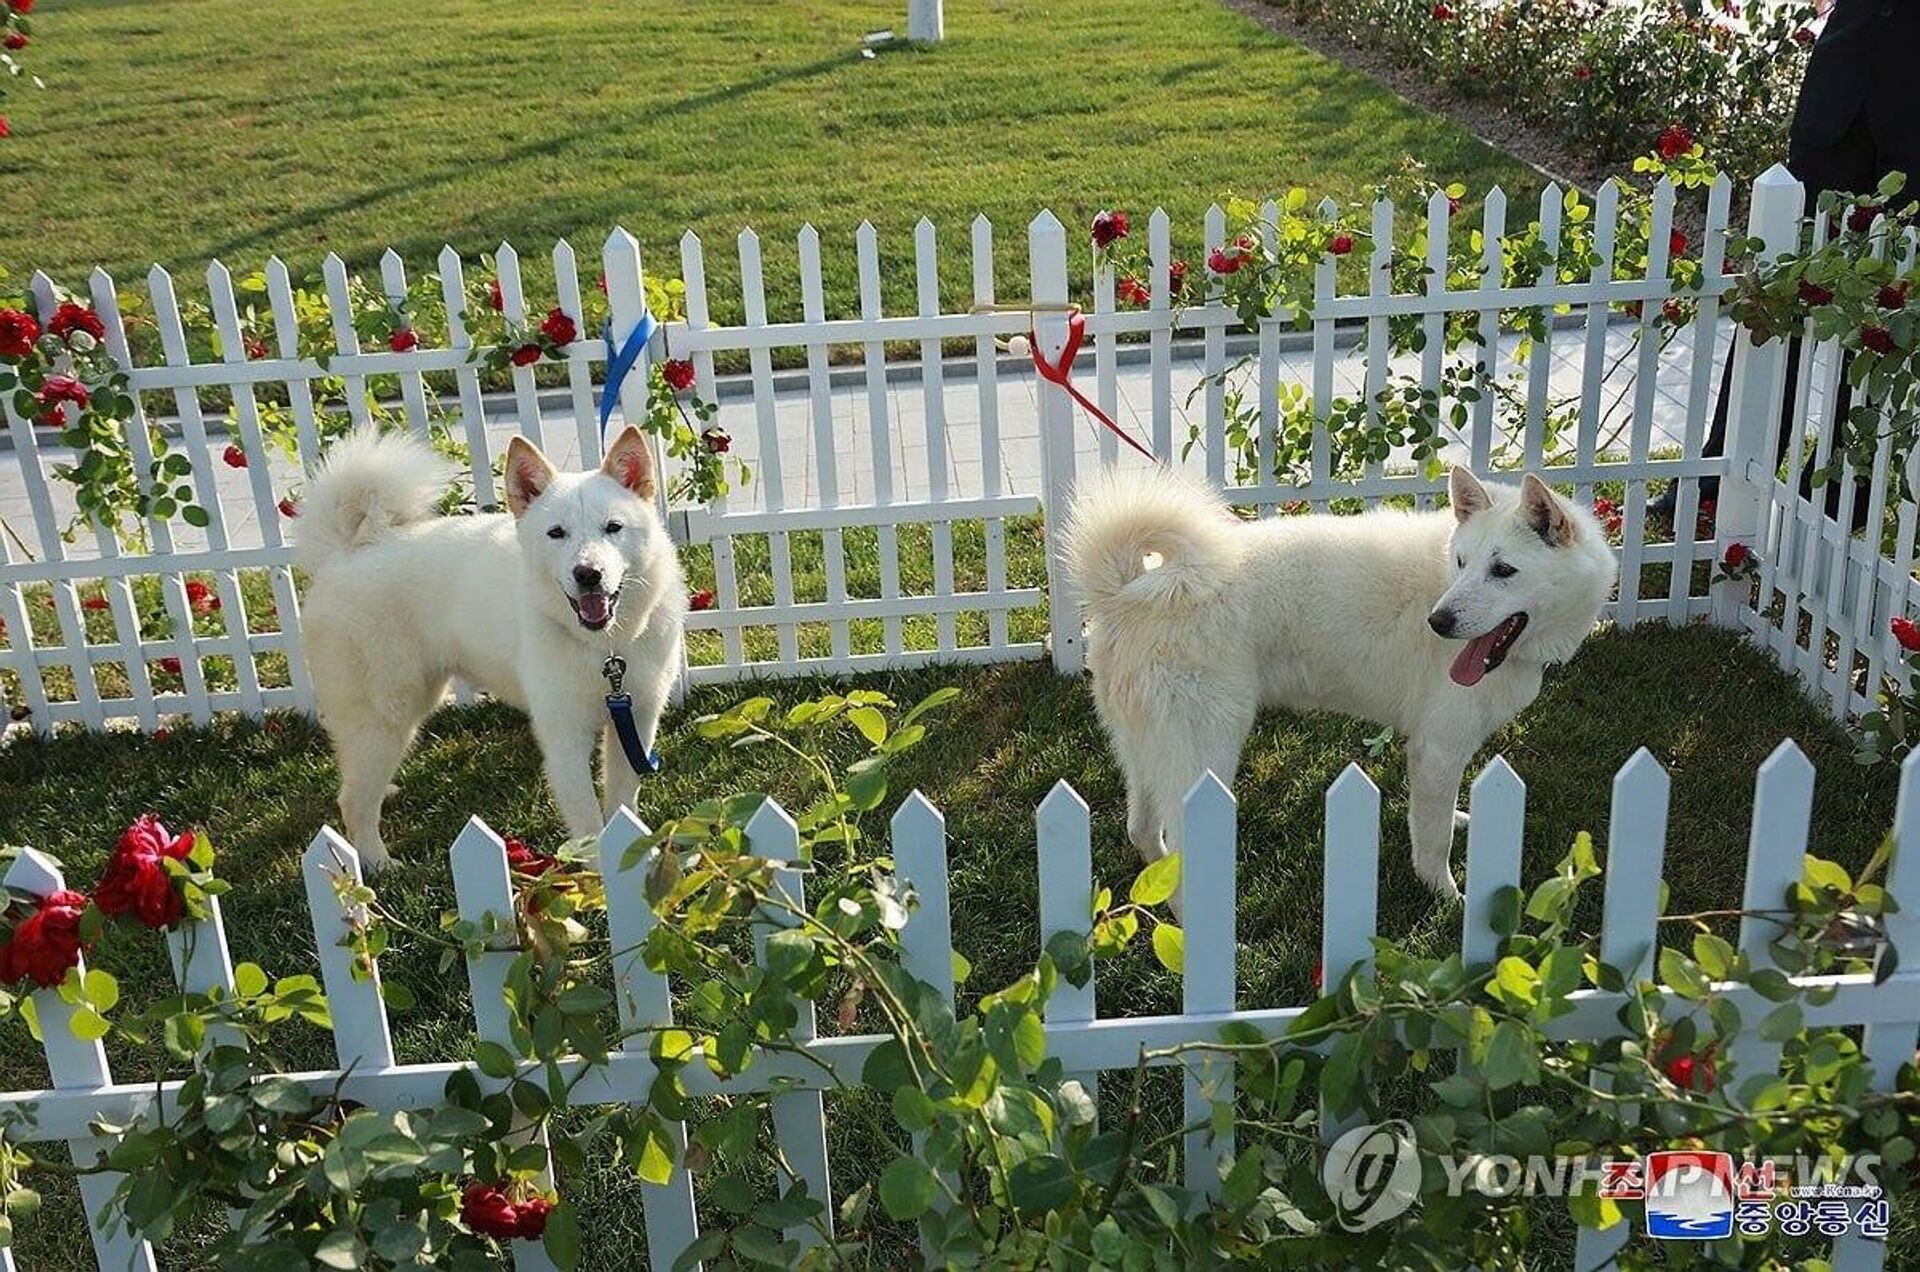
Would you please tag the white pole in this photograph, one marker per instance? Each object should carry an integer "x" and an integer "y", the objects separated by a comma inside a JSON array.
[{"x": 926, "y": 24}]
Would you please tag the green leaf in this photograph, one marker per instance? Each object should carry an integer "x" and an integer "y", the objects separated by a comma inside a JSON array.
[
  {"x": 1170, "y": 947},
  {"x": 1157, "y": 882},
  {"x": 1512, "y": 1056},
  {"x": 494, "y": 1060},
  {"x": 1682, "y": 974},
  {"x": 249, "y": 980},
  {"x": 101, "y": 989},
  {"x": 872, "y": 725},
  {"x": 1040, "y": 1184},
  {"x": 88, "y": 1025},
  {"x": 1782, "y": 1023},
  {"x": 1517, "y": 981},
  {"x": 654, "y": 1160},
  {"x": 906, "y": 1188},
  {"x": 562, "y": 1237},
  {"x": 396, "y": 996}
]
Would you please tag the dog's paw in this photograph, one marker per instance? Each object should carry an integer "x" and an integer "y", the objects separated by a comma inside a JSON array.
[
  {"x": 1460, "y": 820},
  {"x": 374, "y": 860}
]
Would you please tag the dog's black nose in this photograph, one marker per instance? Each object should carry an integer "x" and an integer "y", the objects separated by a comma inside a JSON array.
[
  {"x": 1442, "y": 622},
  {"x": 587, "y": 577}
]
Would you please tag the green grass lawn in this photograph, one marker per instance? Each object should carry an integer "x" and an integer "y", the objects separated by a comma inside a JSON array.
[
  {"x": 182, "y": 130},
  {"x": 1708, "y": 706}
]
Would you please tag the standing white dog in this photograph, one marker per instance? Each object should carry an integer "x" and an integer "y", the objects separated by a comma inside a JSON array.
[
  {"x": 526, "y": 607},
  {"x": 1437, "y": 624}
]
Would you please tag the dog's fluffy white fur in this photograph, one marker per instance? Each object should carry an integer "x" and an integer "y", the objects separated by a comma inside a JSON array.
[
  {"x": 524, "y": 606},
  {"x": 1196, "y": 619}
]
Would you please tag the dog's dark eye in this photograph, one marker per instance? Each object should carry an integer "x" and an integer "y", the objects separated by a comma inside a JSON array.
[
  {"x": 1460, "y": 562},
  {"x": 614, "y": 527},
  {"x": 1501, "y": 570},
  {"x": 557, "y": 532}
]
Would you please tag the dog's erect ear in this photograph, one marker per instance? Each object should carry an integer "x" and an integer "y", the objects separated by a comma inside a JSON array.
[
  {"x": 1466, "y": 493},
  {"x": 1544, "y": 512},
  {"x": 630, "y": 462},
  {"x": 528, "y": 474}
]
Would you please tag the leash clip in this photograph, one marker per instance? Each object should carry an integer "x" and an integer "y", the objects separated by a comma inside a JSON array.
[{"x": 615, "y": 670}]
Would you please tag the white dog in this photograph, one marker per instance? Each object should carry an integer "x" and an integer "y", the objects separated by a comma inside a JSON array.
[
  {"x": 1438, "y": 624},
  {"x": 526, "y": 607}
]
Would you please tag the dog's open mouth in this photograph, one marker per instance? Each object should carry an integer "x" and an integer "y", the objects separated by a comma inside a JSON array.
[
  {"x": 594, "y": 609},
  {"x": 1484, "y": 653}
]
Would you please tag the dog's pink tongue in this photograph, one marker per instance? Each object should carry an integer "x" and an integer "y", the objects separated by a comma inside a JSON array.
[
  {"x": 595, "y": 608},
  {"x": 1471, "y": 665}
]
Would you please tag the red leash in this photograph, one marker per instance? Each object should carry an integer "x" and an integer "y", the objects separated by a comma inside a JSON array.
[{"x": 1061, "y": 373}]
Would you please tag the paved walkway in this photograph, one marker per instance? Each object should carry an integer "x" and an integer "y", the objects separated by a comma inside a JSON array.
[{"x": 906, "y": 433}]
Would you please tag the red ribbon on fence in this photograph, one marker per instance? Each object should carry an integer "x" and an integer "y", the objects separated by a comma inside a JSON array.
[{"x": 1061, "y": 373}]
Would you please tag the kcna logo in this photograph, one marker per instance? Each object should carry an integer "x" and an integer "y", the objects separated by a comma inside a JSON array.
[{"x": 1688, "y": 1194}]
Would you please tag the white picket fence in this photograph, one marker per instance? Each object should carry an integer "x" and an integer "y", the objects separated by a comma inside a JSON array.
[
  {"x": 877, "y": 480},
  {"x": 85, "y": 1093}
]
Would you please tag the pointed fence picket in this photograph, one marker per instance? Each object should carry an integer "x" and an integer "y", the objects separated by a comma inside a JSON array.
[{"x": 84, "y": 1093}]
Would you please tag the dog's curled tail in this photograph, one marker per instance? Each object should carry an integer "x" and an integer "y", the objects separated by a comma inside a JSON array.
[
  {"x": 1152, "y": 536},
  {"x": 369, "y": 485}
]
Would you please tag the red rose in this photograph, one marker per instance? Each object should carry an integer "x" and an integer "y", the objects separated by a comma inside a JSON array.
[
  {"x": 5, "y": 129},
  {"x": 170, "y": 665},
  {"x": 1673, "y": 311},
  {"x": 1677, "y": 243},
  {"x": 678, "y": 373},
  {"x": 1442, "y": 13},
  {"x": 18, "y": 329},
  {"x": 201, "y": 597},
  {"x": 1134, "y": 292},
  {"x": 69, "y": 318},
  {"x": 533, "y": 1214},
  {"x": 1907, "y": 633},
  {"x": 162, "y": 733},
  {"x": 233, "y": 456},
  {"x": 1674, "y": 142},
  {"x": 486, "y": 1209},
  {"x": 136, "y": 882},
  {"x": 494, "y": 297},
  {"x": 524, "y": 860},
  {"x": 601, "y": 282},
  {"x": 288, "y": 508},
  {"x": 1221, "y": 261},
  {"x": 1693, "y": 1073},
  {"x": 1109, "y": 228},
  {"x": 701, "y": 600},
  {"x": 1815, "y": 294},
  {"x": 1341, "y": 244},
  {"x": 256, "y": 348},
  {"x": 1320, "y": 975},
  {"x": 96, "y": 603},
  {"x": 1878, "y": 339},
  {"x": 47, "y": 942},
  {"x": 1892, "y": 296},
  {"x": 63, "y": 388},
  {"x": 1860, "y": 220},
  {"x": 1176, "y": 276},
  {"x": 526, "y": 355},
  {"x": 718, "y": 440},
  {"x": 20, "y": 6},
  {"x": 16, "y": 40},
  {"x": 559, "y": 327},
  {"x": 1738, "y": 554},
  {"x": 1582, "y": 72},
  {"x": 1803, "y": 36},
  {"x": 403, "y": 340}
]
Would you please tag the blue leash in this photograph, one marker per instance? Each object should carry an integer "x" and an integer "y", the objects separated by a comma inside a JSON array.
[
  {"x": 620, "y": 360},
  {"x": 620, "y": 708},
  {"x": 619, "y": 703}
]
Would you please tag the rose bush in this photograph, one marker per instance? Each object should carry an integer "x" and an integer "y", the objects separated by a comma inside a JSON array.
[{"x": 1606, "y": 75}]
